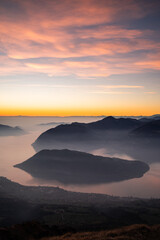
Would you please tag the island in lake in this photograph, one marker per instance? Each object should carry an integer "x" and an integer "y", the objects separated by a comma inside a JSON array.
[{"x": 77, "y": 167}]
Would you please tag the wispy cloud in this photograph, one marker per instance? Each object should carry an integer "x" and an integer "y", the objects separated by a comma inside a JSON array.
[
  {"x": 111, "y": 92},
  {"x": 119, "y": 86},
  {"x": 73, "y": 85},
  {"x": 149, "y": 64},
  {"x": 74, "y": 29},
  {"x": 55, "y": 51},
  {"x": 150, "y": 92}
]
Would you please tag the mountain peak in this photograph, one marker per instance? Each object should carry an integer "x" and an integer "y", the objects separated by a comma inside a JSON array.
[{"x": 108, "y": 118}]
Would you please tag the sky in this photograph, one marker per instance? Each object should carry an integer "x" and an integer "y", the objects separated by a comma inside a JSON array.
[{"x": 86, "y": 57}]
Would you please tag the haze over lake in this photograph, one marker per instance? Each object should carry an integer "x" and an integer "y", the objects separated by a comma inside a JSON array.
[{"x": 16, "y": 149}]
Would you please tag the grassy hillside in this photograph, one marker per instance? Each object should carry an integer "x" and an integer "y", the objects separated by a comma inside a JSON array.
[
  {"x": 133, "y": 232},
  {"x": 36, "y": 231}
]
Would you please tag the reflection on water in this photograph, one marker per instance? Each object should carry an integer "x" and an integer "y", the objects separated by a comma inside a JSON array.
[
  {"x": 13, "y": 150},
  {"x": 17, "y": 149},
  {"x": 147, "y": 186}
]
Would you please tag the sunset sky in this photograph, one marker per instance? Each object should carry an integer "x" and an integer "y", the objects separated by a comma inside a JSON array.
[{"x": 79, "y": 57}]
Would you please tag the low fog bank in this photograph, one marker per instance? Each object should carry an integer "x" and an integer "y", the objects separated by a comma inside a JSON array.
[{"x": 109, "y": 143}]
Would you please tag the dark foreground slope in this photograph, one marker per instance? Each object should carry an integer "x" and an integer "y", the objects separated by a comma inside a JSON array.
[
  {"x": 6, "y": 130},
  {"x": 72, "y": 211},
  {"x": 33, "y": 230},
  {"x": 133, "y": 232},
  {"x": 77, "y": 167}
]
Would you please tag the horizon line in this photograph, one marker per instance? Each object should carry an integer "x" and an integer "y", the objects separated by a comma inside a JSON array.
[{"x": 79, "y": 115}]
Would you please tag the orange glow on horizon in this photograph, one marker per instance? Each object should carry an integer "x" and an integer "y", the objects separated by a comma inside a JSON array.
[{"x": 133, "y": 111}]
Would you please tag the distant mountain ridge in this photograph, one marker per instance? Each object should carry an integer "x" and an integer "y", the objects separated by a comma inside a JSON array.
[
  {"x": 83, "y": 131},
  {"x": 151, "y": 129},
  {"x": 111, "y": 123},
  {"x": 6, "y": 130}
]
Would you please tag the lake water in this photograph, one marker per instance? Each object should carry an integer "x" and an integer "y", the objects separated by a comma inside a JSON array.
[{"x": 16, "y": 149}]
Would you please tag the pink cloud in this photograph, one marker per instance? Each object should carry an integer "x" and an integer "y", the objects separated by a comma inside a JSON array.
[{"x": 68, "y": 28}]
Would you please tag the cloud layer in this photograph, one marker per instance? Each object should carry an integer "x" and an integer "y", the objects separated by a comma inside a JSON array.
[
  {"x": 78, "y": 48},
  {"x": 85, "y": 38}
]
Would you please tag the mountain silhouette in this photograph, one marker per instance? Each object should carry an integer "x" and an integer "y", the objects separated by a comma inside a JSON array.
[
  {"x": 151, "y": 129},
  {"x": 76, "y": 167},
  {"x": 111, "y": 123},
  {"x": 150, "y": 118},
  {"x": 6, "y": 130},
  {"x": 81, "y": 132}
]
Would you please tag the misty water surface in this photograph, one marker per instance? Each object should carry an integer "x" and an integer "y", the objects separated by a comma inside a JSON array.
[{"x": 17, "y": 149}]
